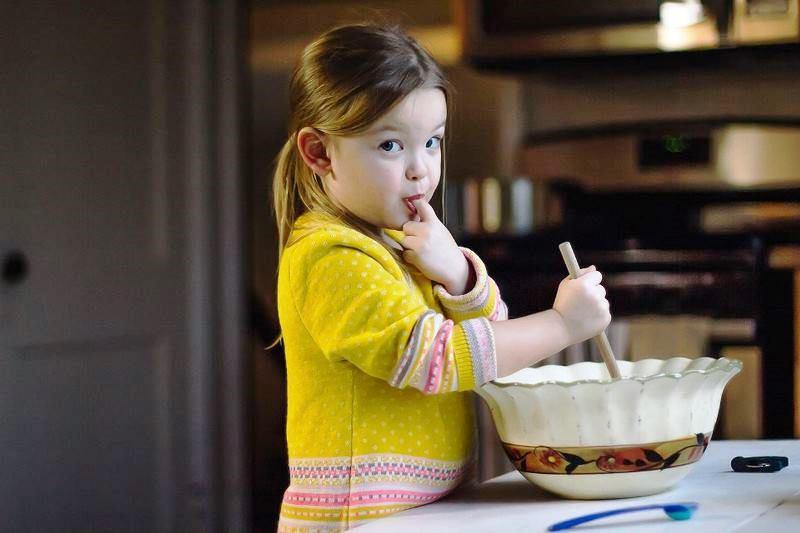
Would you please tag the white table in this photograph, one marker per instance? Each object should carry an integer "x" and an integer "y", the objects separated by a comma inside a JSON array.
[{"x": 729, "y": 501}]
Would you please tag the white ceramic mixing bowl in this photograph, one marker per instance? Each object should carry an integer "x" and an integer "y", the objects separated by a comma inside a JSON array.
[{"x": 575, "y": 432}]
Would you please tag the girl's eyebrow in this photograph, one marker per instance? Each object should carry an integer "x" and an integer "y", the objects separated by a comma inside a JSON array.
[
  {"x": 394, "y": 127},
  {"x": 386, "y": 127}
]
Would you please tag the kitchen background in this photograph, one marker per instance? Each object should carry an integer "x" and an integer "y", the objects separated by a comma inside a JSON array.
[
  {"x": 137, "y": 250},
  {"x": 668, "y": 153}
]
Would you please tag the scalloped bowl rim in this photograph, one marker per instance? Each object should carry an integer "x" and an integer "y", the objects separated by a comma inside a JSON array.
[{"x": 734, "y": 365}]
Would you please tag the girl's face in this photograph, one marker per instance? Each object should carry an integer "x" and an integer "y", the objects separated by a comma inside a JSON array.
[{"x": 376, "y": 175}]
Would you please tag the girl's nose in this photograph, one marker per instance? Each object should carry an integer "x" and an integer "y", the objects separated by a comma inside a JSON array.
[{"x": 416, "y": 170}]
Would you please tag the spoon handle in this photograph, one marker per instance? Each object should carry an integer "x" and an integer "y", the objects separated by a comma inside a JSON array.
[
  {"x": 601, "y": 341},
  {"x": 673, "y": 508}
]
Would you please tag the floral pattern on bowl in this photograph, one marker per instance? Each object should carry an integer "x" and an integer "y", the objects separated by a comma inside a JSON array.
[{"x": 607, "y": 459}]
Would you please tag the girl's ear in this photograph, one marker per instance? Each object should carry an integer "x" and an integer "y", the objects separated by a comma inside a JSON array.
[{"x": 311, "y": 143}]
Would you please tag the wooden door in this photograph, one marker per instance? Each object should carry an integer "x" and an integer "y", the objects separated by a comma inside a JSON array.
[{"x": 113, "y": 219}]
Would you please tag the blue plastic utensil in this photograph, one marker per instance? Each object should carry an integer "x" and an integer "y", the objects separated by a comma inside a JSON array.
[{"x": 676, "y": 511}]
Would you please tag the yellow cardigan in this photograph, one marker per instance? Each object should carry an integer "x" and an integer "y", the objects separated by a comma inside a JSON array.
[{"x": 377, "y": 362}]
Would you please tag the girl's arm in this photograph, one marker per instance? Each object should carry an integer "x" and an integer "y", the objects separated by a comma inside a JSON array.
[
  {"x": 353, "y": 300},
  {"x": 521, "y": 342},
  {"x": 580, "y": 312}
]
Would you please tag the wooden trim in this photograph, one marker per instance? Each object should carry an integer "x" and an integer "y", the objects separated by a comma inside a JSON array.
[
  {"x": 162, "y": 254},
  {"x": 788, "y": 257},
  {"x": 797, "y": 353},
  {"x": 743, "y": 404},
  {"x": 195, "y": 130},
  {"x": 785, "y": 256},
  {"x": 212, "y": 60}
]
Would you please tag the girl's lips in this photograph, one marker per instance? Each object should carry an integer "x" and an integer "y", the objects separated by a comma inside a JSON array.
[{"x": 409, "y": 200}]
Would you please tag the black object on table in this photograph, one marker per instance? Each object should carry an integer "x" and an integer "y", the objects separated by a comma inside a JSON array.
[{"x": 767, "y": 463}]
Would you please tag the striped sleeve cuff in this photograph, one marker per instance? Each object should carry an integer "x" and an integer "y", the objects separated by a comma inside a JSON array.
[
  {"x": 477, "y": 297},
  {"x": 482, "y": 301},
  {"x": 476, "y": 360},
  {"x": 441, "y": 356}
]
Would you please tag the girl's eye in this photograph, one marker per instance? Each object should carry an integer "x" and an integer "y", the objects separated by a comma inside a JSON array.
[
  {"x": 433, "y": 142},
  {"x": 390, "y": 146}
]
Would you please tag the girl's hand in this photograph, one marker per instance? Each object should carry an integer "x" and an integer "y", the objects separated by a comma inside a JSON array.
[
  {"x": 430, "y": 247},
  {"x": 582, "y": 304}
]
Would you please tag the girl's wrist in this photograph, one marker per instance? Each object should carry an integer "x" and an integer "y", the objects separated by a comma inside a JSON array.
[
  {"x": 564, "y": 331},
  {"x": 462, "y": 280}
]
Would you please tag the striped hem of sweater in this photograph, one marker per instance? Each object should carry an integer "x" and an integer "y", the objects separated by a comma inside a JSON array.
[{"x": 330, "y": 494}]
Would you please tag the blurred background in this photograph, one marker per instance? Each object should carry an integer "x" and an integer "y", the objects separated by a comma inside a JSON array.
[{"x": 139, "y": 251}]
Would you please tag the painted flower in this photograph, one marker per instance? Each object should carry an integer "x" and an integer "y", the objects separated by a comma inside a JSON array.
[
  {"x": 629, "y": 460},
  {"x": 548, "y": 458}
]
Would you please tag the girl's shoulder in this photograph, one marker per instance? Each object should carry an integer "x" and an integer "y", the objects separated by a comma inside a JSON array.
[{"x": 317, "y": 235}]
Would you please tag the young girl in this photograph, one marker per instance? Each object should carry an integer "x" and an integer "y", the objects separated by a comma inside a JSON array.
[{"x": 386, "y": 322}]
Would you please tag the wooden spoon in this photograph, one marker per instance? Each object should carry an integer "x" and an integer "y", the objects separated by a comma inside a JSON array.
[{"x": 601, "y": 341}]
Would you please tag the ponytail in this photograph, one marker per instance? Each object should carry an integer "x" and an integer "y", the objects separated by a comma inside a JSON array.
[{"x": 286, "y": 196}]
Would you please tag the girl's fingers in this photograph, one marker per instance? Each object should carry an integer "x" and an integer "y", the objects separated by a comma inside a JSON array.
[
  {"x": 592, "y": 278},
  {"x": 410, "y": 242},
  {"x": 424, "y": 210},
  {"x": 412, "y": 228},
  {"x": 582, "y": 272}
]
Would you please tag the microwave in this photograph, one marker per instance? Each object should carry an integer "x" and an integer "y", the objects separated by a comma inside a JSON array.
[{"x": 497, "y": 30}]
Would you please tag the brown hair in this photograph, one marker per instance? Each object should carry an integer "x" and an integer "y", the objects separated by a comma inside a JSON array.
[{"x": 344, "y": 81}]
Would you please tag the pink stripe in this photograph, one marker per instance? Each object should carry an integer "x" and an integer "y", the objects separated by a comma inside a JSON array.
[
  {"x": 433, "y": 369},
  {"x": 436, "y": 368},
  {"x": 310, "y": 499}
]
